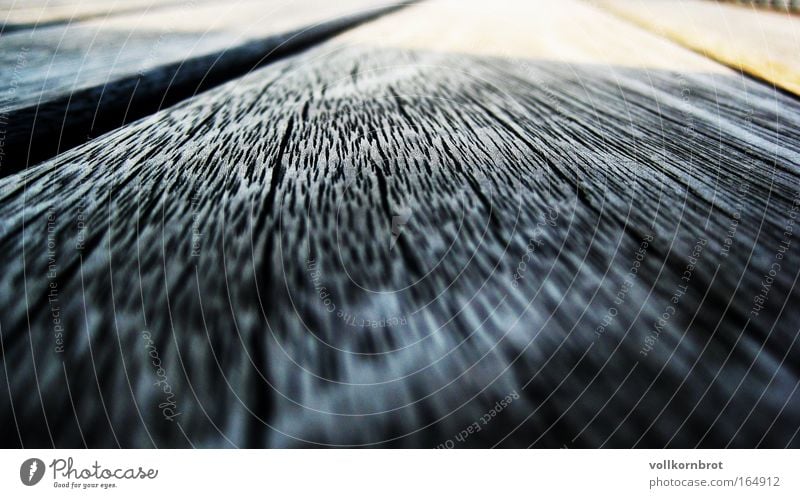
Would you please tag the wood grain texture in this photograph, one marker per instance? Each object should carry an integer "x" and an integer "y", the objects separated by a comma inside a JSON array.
[
  {"x": 366, "y": 245},
  {"x": 66, "y": 84},
  {"x": 763, "y": 43}
]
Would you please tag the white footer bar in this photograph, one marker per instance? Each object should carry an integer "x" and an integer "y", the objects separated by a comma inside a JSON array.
[{"x": 390, "y": 473}]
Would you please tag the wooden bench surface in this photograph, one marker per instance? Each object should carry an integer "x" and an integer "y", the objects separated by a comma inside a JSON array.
[{"x": 372, "y": 241}]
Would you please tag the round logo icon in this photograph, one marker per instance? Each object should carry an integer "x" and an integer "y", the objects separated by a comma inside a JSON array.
[{"x": 31, "y": 471}]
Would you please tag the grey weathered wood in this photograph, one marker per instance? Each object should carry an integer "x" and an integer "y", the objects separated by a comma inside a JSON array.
[
  {"x": 313, "y": 157},
  {"x": 60, "y": 86}
]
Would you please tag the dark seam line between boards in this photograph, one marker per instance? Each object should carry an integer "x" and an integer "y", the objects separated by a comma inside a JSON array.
[{"x": 39, "y": 132}]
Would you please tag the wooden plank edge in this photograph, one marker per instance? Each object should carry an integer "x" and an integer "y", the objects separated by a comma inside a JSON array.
[
  {"x": 39, "y": 132},
  {"x": 786, "y": 87}
]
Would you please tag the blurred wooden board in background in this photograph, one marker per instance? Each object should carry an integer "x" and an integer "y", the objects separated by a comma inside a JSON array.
[
  {"x": 61, "y": 60},
  {"x": 568, "y": 31},
  {"x": 63, "y": 84},
  {"x": 764, "y": 43},
  {"x": 26, "y": 14}
]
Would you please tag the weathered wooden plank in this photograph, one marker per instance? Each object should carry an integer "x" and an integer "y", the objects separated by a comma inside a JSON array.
[
  {"x": 61, "y": 60},
  {"x": 763, "y": 43},
  {"x": 568, "y": 32},
  {"x": 65, "y": 84},
  {"x": 28, "y": 14},
  {"x": 368, "y": 245}
]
